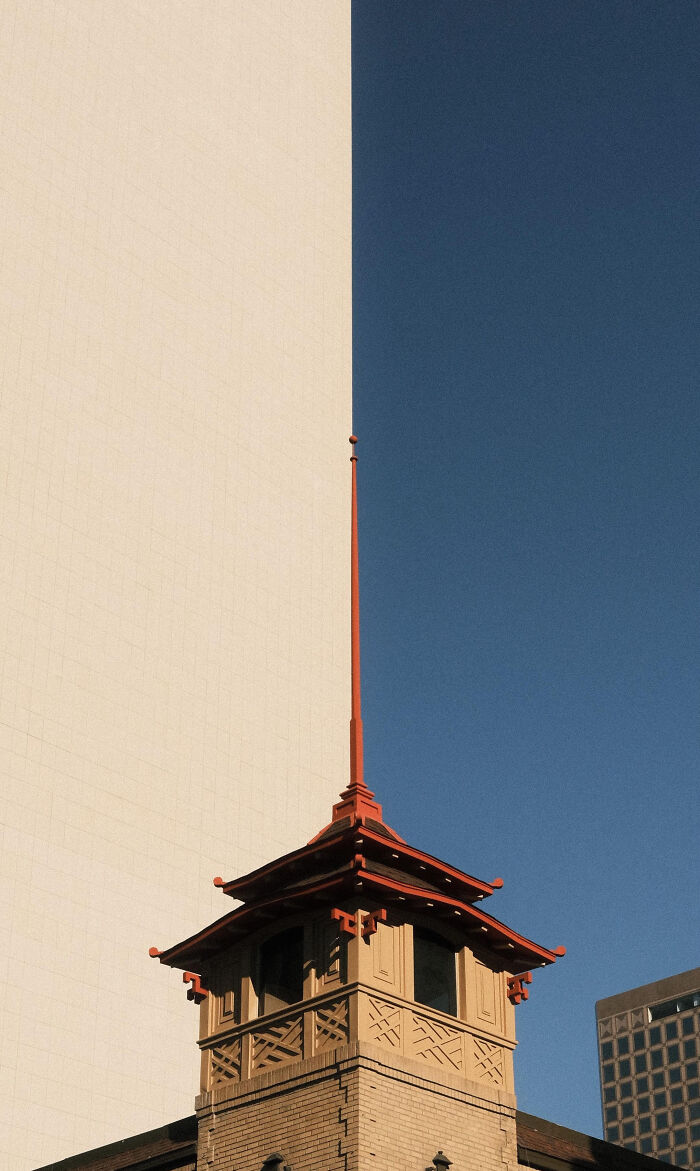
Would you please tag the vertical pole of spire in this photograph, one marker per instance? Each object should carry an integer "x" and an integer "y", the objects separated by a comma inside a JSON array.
[{"x": 356, "y": 750}]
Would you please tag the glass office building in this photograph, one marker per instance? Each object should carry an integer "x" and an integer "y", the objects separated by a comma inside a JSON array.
[{"x": 648, "y": 1048}]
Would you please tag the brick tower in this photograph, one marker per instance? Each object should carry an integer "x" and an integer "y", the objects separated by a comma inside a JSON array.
[{"x": 357, "y": 1007}]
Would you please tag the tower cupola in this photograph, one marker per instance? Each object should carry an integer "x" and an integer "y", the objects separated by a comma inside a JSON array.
[{"x": 357, "y": 951}]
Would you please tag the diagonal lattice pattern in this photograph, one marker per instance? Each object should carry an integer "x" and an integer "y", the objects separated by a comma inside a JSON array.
[
  {"x": 488, "y": 1062},
  {"x": 279, "y": 1043},
  {"x": 384, "y": 1023},
  {"x": 226, "y": 1063},
  {"x": 331, "y": 1025},
  {"x": 436, "y": 1043}
]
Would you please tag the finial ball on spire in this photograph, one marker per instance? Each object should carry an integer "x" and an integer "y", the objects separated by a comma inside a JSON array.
[{"x": 353, "y": 439}]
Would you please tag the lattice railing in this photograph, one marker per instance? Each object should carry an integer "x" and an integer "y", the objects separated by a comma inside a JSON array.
[
  {"x": 488, "y": 1062},
  {"x": 436, "y": 1043},
  {"x": 384, "y": 1022},
  {"x": 225, "y": 1062},
  {"x": 278, "y": 1044},
  {"x": 324, "y": 1024},
  {"x": 265, "y": 1044},
  {"x": 331, "y": 1025}
]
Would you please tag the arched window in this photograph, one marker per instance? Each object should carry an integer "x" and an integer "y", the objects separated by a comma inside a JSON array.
[
  {"x": 281, "y": 975},
  {"x": 434, "y": 971}
]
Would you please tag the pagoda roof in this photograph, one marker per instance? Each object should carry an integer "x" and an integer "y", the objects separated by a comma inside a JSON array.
[
  {"x": 426, "y": 871},
  {"x": 359, "y": 863}
]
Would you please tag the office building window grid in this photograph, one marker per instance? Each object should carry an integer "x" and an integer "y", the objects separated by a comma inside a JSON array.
[{"x": 649, "y": 1072}]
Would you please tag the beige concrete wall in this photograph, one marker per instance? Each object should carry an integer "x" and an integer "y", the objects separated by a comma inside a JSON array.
[{"x": 174, "y": 412}]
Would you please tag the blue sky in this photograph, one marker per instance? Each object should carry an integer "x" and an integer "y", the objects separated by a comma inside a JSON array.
[{"x": 526, "y": 260}]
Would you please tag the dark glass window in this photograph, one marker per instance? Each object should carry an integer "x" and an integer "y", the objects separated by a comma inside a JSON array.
[
  {"x": 671, "y": 1007},
  {"x": 671, "y": 1030},
  {"x": 640, "y": 1062},
  {"x": 655, "y": 1035},
  {"x": 643, "y": 1105},
  {"x": 676, "y": 1095},
  {"x": 644, "y": 1125},
  {"x": 606, "y": 1050},
  {"x": 660, "y": 1100},
  {"x": 642, "y": 1085},
  {"x": 696, "y": 1154},
  {"x": 680, "y": 1157},
  {"x": 628, "y": 1130},
  {"x": 694, "y": 1092},
  {"x": 613, "y": 1134},
  {"x": 674, "y": 1075},
  {"x": 663, "y": 1141},
  {"x": 611, "y": 1114},
  {"x": 646, "y": 1146},
  {"x": 694, "y": 1110},
  {"x": 638, "y": 1041},
  {"x": 657, "y": 1058},
  {"x": 690, "y": 1048},
  {"x": 658, "y": 1080},
  {"x": 688, "y": 1026},
  {"x": 673, "y": 1054},
  {"x": 609, "y": 1073},
  {"x": 680, "y": 1136},
  {"x": 627, "y": 1109},
  {"x": 610, "y": 1093},
  {"x": 661, "y": 1120},
  {"x": 695, "y": 1133},
  {"x": 434, "y": 972},
  {"x": 625, "y": 1067},
  {"x": 678, "y": 1116},
  {"x": 691, "y": 1070},
  {"x": 625, "y": 1089},
  {"x": 281, "y": 970},
  {"x": 623, "y": 1046}
]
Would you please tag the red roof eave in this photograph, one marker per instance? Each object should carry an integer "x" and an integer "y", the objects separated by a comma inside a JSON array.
[
  {"x": 177, "y": 955},
  {"x": 535, "y": 952},
  {"x": 237, "y": 887}
]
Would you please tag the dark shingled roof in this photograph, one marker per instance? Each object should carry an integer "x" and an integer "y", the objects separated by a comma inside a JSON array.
[{"x": 542, "y": 1146}]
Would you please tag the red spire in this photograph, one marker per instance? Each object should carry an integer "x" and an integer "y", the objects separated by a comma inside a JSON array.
[
  {"x": 357, "y": 801},
  {"x": 356, "y": 750}
]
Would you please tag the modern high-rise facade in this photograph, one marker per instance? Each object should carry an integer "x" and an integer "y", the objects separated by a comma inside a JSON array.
[
  {"x": 649, "y": 1048},
  {"x": 175, "y": 403}
]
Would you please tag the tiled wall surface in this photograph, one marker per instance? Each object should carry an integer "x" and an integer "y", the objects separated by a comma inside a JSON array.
[{"x": 174, "y": 412}]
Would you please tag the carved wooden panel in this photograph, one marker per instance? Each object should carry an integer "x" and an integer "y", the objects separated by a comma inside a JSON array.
[
  {"x": 331, "y": 1025},
  {"x": 436, "y": 1043},
  {"x": 225, "y": 1063},
  {"x": 386, "y": 956},
  {"x": 488, "y": 992},
  {"x": 224, "y": 983},
  {"x": 278, "y": 1043},
  {"x": 488, "y": 1062},
  {"x": 384, "y": 1023}
]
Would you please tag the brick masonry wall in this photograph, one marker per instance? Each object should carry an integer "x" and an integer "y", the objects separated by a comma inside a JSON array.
[
  {"x": 300, "y": 1112},
  {"x": 351, "y": 1111}
]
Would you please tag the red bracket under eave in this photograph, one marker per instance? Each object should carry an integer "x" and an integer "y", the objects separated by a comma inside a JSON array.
[
  {"x": 348, "y": 921},
  {"x": 516, "y": 987},
  {"x": 348, "y": 925},
  {"x": 369, "y": 922},
  {"x": 197, "y": 992}
]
